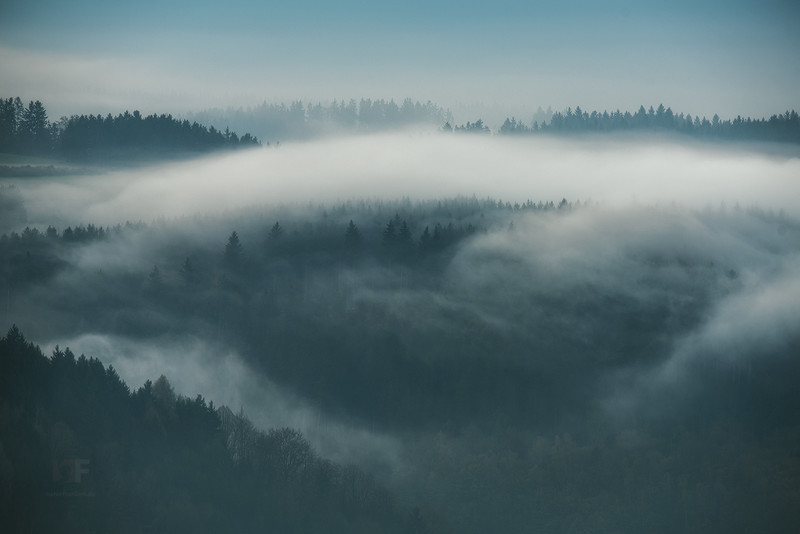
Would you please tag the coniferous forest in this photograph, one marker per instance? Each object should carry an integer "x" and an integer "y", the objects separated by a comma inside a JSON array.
[
  {"x": 27, "y": 130},
  {"x": 128, "y": 136},
  {"x": 393, "y": 364},
  {"x": 400, "y": 267},
  {"x": 783, "y": 127},
  {"x": 603, "y": 395},
  {"x": 83, "y": 452}
]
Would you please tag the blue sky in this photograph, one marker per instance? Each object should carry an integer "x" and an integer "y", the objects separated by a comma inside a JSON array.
[{"x": 702, "y": 57}]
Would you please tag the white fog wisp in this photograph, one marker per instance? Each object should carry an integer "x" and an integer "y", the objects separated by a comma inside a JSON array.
[
  {"x": 416, "y": 166},
  {"x": 194, "y": 367}
]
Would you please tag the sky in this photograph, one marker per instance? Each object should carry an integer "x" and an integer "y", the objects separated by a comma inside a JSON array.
[{"x": 702, "y": 57}]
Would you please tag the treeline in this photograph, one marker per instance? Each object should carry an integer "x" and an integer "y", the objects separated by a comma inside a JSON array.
[
  {"x": 80, "y": 451},
  {"x": 27, "y": 130},
  {"x": 470, "y": 127},
  {"x": 33, "y": 256},
  {"x": 300, "y": 121},
  {"x": 419, "y": 236},
  {"x": 277, "y": 122},
  {"x": 783, "y": 127}
]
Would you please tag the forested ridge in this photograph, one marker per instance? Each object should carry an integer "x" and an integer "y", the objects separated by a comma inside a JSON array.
[
  {"x": 784, "y": 127},
  {"x": 479, "y": 333},
  {"x": 127, "y": 136},
  {"x": 299, "y": 120},
  {"x": 81, "y": 452}
]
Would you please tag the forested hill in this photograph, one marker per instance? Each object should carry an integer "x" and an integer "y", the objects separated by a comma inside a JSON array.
[
  {"x": 299, "y": 121},
  {"x": 279, "y": 122},
  {"x": 783, "y": 127},
  {"x": 27, "y": 130},
  {"x": 543, "y": 367},
  {"x": 80, "y": 452}
]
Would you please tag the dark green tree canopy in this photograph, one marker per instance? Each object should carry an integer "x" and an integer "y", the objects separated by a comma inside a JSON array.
[{"x": 233, "y": 250}]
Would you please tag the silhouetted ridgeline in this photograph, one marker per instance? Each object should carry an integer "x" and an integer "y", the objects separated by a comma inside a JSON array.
[
  {"x": 26, "y": 130},
  {"x": 280, "y": 122},
  {"x": 784, "y": 127},
  {"x": 80, "y": 452},
  {"x": 297, "y": 121}
]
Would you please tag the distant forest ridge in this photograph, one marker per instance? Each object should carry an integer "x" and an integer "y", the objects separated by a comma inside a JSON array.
[
  {"x": 783, "y": 127},
  {"x": 27, "y": 130},
  {"x": 297, "y": 120},
  {"x": 300, "y": 121}
]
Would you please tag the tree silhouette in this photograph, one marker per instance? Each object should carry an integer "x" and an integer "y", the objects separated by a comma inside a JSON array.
[
  {"x": 289, "y": 452},
  {"x": 276, "y": 232},
  {"x": 155, "y": 276},
  {"x": 188, "y": 272},
  {"x": 233, "y": 250},
  {"x": 404, "y": 234},
  {"x": 389, "y": 235},
  {"x": 352, "y": 237},
  {"x": 425, "y": 239}
]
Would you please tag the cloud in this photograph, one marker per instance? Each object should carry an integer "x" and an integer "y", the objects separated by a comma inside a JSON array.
[
  {"x": 398, "y": 165},
  {"x": 611, "y": 304},
  {"x": 759, "y": 321},
  {"x": 749, "y": 319}
]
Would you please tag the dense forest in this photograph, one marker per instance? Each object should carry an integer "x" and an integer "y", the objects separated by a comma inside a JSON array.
[
  {"x": 422, "y": 267},
  {"x": 81, "y": 452},
  {"x": 461, "y": 364},
  {"x": 27, "y": 130},
  {"x": 299, "y": 121},
  {"x": 784, "y": 127},
  {"x": 279, "y": 122},
  {"x": 544, "y": 366}
]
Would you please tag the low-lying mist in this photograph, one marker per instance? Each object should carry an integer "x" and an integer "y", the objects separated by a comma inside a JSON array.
[
  {"x": 588, "y": 356},
  {"x": 418, "y": 166}
]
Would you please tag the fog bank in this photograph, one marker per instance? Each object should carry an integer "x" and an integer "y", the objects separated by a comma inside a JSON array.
[{"x": 394, "y": 166}]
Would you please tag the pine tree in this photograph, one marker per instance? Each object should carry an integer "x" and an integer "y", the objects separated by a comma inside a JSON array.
[
  {"x": 233, "y": 250},
  {"x": 352, "y": 237}
]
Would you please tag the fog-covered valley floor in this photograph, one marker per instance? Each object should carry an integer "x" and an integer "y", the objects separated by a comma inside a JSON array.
[
  {"x": 615, "y": 170},
  {"x": 514, "y": 335}
]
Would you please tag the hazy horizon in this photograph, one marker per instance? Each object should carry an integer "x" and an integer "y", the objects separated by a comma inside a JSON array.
[{"x": 730, "y": 58}]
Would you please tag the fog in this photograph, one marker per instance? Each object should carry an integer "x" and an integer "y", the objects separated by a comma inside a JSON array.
[
  {"x": 716, "y": 221},
  {"x": 415, "y": 166},
  {"x": 588, "y": 333},
  {"x": 755, "y": 326},
  {"x": 89, "y": 58},
  {"x": 647, "y": 324},
  {"x": 198, "y": 367}
]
